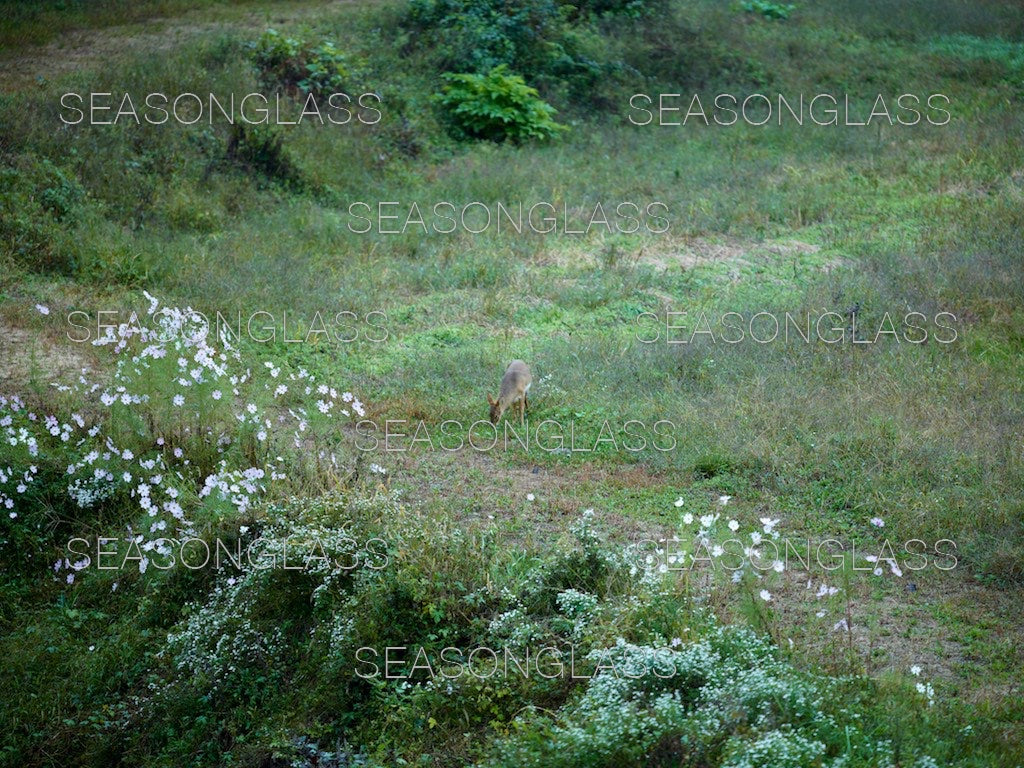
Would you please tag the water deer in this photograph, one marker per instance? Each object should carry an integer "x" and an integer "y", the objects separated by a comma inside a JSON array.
[{"x": 514, "y": 386}]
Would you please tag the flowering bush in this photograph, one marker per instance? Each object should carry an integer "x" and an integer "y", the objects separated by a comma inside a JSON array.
[
  {"x": 181, "y": 434},
  {"x": 231, "y": 642},
  {"x": 725, "y": 699},
  {"x": 656, "y": 680}
]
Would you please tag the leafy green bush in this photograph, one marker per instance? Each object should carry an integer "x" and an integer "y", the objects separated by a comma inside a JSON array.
[
  {"x": 299, "y": 66},
  {"x": 261, "y": 148},
  {"x": 179, "y": 409},
  {"x": 609, "y": 8},
  {"x": 768, "y": 9},
  {"x": 478, "y": 35},
  {"x": 38, "y": 204},
  {"x": 555, "y": 45},
  {"x": 497, "y": 106}
]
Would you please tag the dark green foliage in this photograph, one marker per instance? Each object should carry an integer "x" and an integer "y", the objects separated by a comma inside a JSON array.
[
  {"x": 555, "y": 45},
  {"x": 261, "y": 149},
  {"x": 712, "y": 464},
  {"x": 478, "y": 35},
  {"x": 612, "y": 8},
  {"x": 294, "y": 65},
  {"x": 768, "y": 9},
  {"x": 40, "y": 202},
  {"x": 498, "y": 106}
]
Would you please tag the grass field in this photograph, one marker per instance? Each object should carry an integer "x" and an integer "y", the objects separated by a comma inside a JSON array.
[{"x": 886, "y": 439}]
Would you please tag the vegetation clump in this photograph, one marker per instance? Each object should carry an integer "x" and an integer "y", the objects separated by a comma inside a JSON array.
[
  {"x": 298, "y": 66},
  {"x": 498, "y": 106}
]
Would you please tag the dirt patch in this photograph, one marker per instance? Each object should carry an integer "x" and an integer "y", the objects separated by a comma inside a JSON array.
[
  {"x": 28, "y": 357},
  {"x": 475, "y": 488},
  {"x": 690, "y": 252},
  {"x": 694, "y": 251},
  {"x": 667, "y": 253}
]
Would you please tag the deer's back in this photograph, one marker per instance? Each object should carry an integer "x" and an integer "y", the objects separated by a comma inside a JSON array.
[{"x": 516, "y": 379}]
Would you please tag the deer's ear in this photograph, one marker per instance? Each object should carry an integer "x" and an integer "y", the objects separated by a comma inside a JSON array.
[{"x": 489, "y": 400}]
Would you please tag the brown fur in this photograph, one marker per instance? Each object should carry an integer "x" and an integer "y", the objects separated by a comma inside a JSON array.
[{"x": 514, "y": 385}]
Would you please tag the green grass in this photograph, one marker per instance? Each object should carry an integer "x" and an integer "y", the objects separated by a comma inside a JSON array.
[
  {"x": 38, "y": 22},
  {"x": 778, "y": 219}
]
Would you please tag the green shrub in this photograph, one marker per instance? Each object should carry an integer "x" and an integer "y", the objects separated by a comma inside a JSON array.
[
  {"x": 768, "y": 9},
  {"x": 260, "y": 148},
  {"x": 556, "y": 45},
  {"x": 299, "y": 66},
  {"x": 478, "y": 35},
  {"x": 38, "y": 204},
  {"x": 629, "y": 8},
  {"x": 727, "y": 701},
  {"x": 498, "y": 106}
]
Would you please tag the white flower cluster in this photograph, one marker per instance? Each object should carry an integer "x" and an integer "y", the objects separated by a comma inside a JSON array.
[
  {"x": 229, "y": 633},
  {"x": 88, "y": 491},
  {"x": 579, "y": 607},
  {"x": 782, "y": 748},
  {"x": 220, "y": 640},
  {"x": 239, "y": 487},
  {"x": 925, "y": 689},
  {"x": 727, "y": 690},
  {"x": 16, "y": 482},
  {"x": 514, "y": 628},
  {"x": 182, "y": 400},
  {"x": 585, "y": 532}
]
